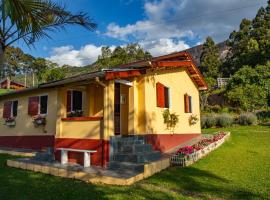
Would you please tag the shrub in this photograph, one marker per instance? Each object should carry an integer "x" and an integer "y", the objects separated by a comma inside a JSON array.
[
  {"x": 247, "y": 119},
  {"x": 203, "y": 121},
  {"x": 263, "y": 117},
  {"x": 224, "y": 120},
  {"x": 210, "y": 121}
]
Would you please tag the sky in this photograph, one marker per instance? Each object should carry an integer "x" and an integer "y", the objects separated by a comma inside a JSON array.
[{"x": 159, "y": 26}]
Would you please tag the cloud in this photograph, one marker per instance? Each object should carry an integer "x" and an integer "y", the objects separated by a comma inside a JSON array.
[
  {"x": 68, "y": 55},
  {"x": 164, "y": 46},
  {"x": 168, "y": 23}
]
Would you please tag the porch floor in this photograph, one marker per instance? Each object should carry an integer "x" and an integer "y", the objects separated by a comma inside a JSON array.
[{"x": 91, "y": 174}]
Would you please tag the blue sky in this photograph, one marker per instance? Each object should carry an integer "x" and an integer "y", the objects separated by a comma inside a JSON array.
[{"x": 159, "y": 26}]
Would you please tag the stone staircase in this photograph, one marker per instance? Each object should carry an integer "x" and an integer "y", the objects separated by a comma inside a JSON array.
[
  {"x": 131, "y": 153},
  {"x": 46, "y": 154}
]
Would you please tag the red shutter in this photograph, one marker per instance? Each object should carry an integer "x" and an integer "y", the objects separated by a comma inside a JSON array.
[
  {"x": 33, "y": 103},
  {"x": 7, "y": 109},
  {"x": 160, "y": 95},
  {"x": 68, "y": 101},
  {"x": 186, "y": 100}
]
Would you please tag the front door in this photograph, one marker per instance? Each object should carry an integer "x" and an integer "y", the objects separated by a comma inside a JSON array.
[{"x": 117, "y": 108}]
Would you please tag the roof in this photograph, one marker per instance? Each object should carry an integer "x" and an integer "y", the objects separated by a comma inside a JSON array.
[
  {"x": 179, "y": 60},
  {"x": 12, "y": 82}
]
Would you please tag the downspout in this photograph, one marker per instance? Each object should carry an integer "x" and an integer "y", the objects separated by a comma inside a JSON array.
[{"x": 97, "y": 80}]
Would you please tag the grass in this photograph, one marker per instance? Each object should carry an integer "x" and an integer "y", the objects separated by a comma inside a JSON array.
[
  {"x": 3, "y": 91},
  {"x": 240, "y": 169}
]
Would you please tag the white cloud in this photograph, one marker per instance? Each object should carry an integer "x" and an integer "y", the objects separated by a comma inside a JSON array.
[
  {"x": 164, "y": 46},
  {"x": 168, "y": 23},
  {"x": 68, "y": 55}
]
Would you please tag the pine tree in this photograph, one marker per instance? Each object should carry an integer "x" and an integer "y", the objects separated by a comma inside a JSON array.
[{"x": 210, "y": 61}]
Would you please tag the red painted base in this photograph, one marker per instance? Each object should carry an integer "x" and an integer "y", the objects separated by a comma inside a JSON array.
[
  {"x": 166, "y": 142},
  {"x": 101, "y": 157},
  {"x": 27, "y": 142}
]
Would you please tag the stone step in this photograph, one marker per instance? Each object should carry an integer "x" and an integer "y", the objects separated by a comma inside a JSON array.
[
  {"x": 131, "y": 142},
  {"x": 114, "y": 165},
  {"x": 136, "y": 148},
  {"x": 137, "y": 158},
  {"x": 131, "y": 138},
  {"x": 44, "y": 156}
]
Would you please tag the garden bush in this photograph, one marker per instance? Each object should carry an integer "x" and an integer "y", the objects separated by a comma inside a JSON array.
[
  {"x": 224, "y": 120},
  {"x": 203, "y": 121},
  {"x": 210, "y": 121},
  {"x": 247, "y": 119}
]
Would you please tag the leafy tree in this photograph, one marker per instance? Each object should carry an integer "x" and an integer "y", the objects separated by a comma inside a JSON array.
[
  {"x": 120, "y": 55},
  {"x": 249, "y": 88},
  {"x": 31, "y": 20},
  {"x": 209, "y": 60},
  {"x": 250, "y": 45},
  {"x": 211, "y": 82},
  {"x": 54, "y": 74}
]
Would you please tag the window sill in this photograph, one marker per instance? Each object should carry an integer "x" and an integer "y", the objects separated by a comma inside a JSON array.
[{"x": 94, "y": 118}]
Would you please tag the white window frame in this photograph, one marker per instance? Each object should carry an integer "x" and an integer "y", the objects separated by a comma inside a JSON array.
[
  {"x": 169, "y": 96},
  {"x": 39, "y": 106},
  {"x": 11, "y": 111},
  {"x": 71, "y": 100}
]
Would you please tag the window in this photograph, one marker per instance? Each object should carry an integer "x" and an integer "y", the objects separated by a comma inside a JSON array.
[
  {"x": 74, "y": 100},
  {"x": 38, "y": 105},
  {"x": 163, "y": 96},
  {"x": 43, "y": 104},
  {"x": 188, "y": 103},
  {"x": 10, "y": 109}
]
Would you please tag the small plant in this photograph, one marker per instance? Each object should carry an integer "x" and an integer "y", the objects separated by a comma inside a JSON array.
[
  {"x": 77, "y": 113},
  {"x": 39, "y": 120},
  {"x": 224, "y": 120},
  {"x": 193, "y": 119},
  {"x": 247, "y": 119},
  {"x": 170, "y": 119},
  {"x": 10, "y": 121}
]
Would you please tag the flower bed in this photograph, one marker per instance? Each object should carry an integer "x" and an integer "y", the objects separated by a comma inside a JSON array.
[{"x": 189, "y": 154}]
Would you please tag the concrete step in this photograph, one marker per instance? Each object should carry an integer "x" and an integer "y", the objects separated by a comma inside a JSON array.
[
  {"x": 137, "y": 148},
  {"x": 114, "y": 165},
  {"x": 137, "y": 158}
]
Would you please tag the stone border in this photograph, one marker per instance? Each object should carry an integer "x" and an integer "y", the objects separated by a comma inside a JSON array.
[
  {"x": 192, "y": 158},
  {"x": 149, "y": 170}
]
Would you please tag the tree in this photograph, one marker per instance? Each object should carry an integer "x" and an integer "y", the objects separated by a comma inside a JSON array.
[
  {"x": 53, "y": 74},
  {"x": 121, "y": 55},
  {"x": 209, "y": 60},
  {"x": 249, "y": 88},
  {"x": 250, "y": 45},
  {"x": 32, "y": 20}
]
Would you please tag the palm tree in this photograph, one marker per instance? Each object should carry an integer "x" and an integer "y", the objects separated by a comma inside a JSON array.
[{"x": 31, "y": 20}]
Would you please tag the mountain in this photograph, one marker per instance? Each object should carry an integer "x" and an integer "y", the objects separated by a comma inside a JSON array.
[{"x": 197, "y": 51}]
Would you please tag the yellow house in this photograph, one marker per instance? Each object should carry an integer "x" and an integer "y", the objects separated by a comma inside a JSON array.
[{"x": 88, "y": 111}]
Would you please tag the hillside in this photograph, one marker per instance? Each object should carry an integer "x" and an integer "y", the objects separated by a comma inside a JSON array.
[{"x": 72, "y": 71}]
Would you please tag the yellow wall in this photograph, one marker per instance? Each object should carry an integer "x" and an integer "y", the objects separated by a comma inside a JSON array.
[
  {"x": 82, "y": 129},
  {"x": 24, "y": 122},
  {"x": 179, "y": 83},
  {"x": 92, "y": 106}
]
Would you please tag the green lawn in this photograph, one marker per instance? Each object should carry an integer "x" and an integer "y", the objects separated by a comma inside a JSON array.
[
  {"x": 240, "y": 169},
  {"x": 3, "y": 91}
]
